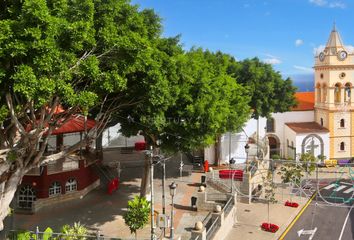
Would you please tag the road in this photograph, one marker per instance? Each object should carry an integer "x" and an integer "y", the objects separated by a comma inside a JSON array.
[{"x": 331, "y": 212}]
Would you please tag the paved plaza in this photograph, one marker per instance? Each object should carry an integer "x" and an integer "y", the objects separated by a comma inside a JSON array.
[{"x": 102, "y": 212}]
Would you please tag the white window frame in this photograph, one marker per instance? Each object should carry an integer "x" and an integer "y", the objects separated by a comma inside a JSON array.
[
  {"x": 26, "y": 197},
  {"x": 55, "y": 189},
  {"x": 71, "y": 185}
]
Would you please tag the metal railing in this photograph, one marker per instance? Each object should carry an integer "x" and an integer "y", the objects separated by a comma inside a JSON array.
[
  {"x": 228, "y": 206},
  {"x": 38, "y": 235},
  {"x": 214, "y": 227},
  {"x": 207, "y": 221}
]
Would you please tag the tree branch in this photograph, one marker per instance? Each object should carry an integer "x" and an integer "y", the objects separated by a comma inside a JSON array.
[{"x": 13, "y": 115}]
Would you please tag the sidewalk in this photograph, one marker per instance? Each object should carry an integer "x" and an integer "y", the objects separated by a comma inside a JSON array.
[
  {"x": 103, "y": 212},
  {"x": 251, "y": 216}
]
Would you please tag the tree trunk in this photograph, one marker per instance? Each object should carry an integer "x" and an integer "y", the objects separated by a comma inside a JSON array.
[
  {"x": 7, "y": 193},
  {"x": 145, "y": 180},
  {"x": 217, "y": 150}
]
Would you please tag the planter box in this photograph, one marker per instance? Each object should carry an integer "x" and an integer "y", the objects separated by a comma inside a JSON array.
[
  {"x": 227, "y": 174},
  {"x": 291, "y": 204},
  {"x": 269, "y": 227}
]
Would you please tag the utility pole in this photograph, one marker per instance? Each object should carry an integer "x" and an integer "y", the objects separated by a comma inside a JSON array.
[
  {"x": 152, "y": 193},
  {"x": 229, "y": 147}
]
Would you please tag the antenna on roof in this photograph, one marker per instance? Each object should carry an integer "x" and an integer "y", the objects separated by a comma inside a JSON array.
[{"x": 334, "y": 25}]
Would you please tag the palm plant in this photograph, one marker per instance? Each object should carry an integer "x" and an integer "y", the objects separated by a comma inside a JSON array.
[{"x": 75, "y": 232}]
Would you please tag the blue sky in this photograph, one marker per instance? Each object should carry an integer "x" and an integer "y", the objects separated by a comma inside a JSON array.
[{"x": 282, "y": 32}]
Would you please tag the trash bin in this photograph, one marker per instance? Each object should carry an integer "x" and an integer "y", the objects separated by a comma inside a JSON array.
[
  {"x": 202, "y": 180},
  {"x": 206, "y": 166},
  {"x": 194, "y": 202}
]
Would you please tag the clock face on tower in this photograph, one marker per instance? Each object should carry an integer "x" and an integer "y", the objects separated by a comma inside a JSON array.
[
  {"x": 321, "y": 56},
  {"x": 342, "y": 55}
]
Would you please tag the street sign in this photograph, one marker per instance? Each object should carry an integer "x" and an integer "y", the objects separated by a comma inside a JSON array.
[
  {"x": 307, "y": 232},
  {"x": 162, "y": 221}
]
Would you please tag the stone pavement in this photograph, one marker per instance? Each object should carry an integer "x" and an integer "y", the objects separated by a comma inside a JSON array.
[
  {"x": 249, "y": 218},
  {"x": 103, "y": 212}
]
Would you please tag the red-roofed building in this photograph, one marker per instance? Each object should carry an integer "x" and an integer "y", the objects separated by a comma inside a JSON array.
[
  {"x": 67, "y": 178},
  {"x": 305, "y": 101}
]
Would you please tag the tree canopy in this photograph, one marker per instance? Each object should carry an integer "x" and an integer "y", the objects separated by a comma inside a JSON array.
[
  {"x": 107, "y": 60},
  {"x": 269, "y": 92},
  {"x": 75, "y": 54},
  {"x": 137, "y": 215}
]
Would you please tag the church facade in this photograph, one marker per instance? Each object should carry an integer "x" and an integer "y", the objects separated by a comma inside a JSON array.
[{"x": 322, "y": 124}]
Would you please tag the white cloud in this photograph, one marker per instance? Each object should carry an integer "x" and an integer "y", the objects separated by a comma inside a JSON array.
[
  {"x": 299, "y": 42},
  {"x": 349, "y": 48},
  {"x": 337, "y": 5},
  {"x": 329, "y": 4},
  {"x": 317, "y": 50},
  {"x": 272, "y": 61},
  {"x": 318, "y": 2},
  {"x": 270, "y": 55},
  {"x": 305, "y": 69}
]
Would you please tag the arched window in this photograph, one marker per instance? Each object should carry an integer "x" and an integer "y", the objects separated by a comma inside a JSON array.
[
  {"x": 321, "y": 121},
  {"x": 26, "y": 197},
  {"x": 270, "y": 125},
  {"x": 347, "y": 92},
  {"x": 342, "y": 123},
  {"x": 324, "y": 93},
  {"x": 337, "y": 93},
  {"x": 71, "y": 185},
  {"x": 342, "y": 146},
  {"x": 54, "y": 189}
]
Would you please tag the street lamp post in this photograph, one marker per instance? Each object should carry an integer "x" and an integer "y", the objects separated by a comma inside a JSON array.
[
  {"x": 247, "y": 148},
  {"x": 231, "y": 163},
  {"x": 173, "y": 187}
]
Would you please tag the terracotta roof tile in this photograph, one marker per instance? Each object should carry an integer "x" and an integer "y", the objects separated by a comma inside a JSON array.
[
  {"x": 306, "y": 127},
  {"x": 305, "y": 101}
]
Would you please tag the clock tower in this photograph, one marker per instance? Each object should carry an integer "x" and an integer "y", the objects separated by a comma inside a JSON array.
[{"x": 334, "y": 78}]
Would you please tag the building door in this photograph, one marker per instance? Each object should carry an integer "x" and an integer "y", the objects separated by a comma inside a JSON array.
[
  {"x": 26, "y": 197},
  {"x": 274, "y": 146}
]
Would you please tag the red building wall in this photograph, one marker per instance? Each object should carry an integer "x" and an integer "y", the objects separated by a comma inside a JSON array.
[{"x": 84, "y": 176}]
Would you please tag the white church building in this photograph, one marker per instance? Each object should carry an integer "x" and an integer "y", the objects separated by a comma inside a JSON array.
[{"x": 321, "y": 124}]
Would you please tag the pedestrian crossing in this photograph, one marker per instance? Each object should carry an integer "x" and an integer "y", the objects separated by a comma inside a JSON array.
[{"x": 343, "y": 187}]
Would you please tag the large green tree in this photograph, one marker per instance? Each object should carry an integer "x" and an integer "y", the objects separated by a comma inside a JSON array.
[
  {"x": 203, "y": 102},
  {"x": 269, "y": 92},
  {"x": 75, "y": 54},
  {"x": 210, "y": 102}
]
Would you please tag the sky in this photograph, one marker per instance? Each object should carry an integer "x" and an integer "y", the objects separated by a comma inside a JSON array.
[{"x": 284, "y": 33}]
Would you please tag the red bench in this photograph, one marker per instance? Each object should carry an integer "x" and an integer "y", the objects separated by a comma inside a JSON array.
[{"x": 227, "y": 174}]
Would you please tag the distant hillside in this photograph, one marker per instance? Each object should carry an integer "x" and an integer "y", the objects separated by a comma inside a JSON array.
[{"x": 304, "y": 82}]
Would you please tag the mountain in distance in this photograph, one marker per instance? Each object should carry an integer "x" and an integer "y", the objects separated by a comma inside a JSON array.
[{"x": 303, "y": 82}]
